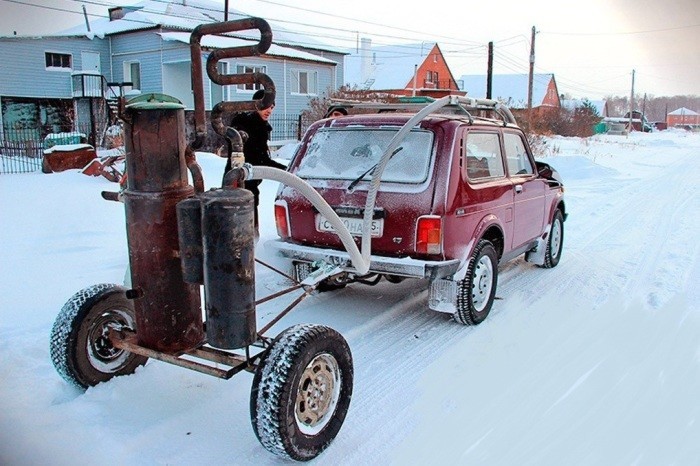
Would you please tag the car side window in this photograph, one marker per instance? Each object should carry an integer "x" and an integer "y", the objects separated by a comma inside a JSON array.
[
  {"x": 483, "y": 156},
  {"x": 516, "y": 155}
]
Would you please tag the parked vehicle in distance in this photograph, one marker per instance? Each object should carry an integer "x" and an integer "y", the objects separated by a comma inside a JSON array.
[{"x": 460, "y": 194}]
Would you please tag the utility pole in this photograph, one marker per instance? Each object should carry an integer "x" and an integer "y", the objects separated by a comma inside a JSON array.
[
  {"x": 489, "y": 72},
  {"x": 631, "y": 101},
  {"x": 532, "y": 71}
]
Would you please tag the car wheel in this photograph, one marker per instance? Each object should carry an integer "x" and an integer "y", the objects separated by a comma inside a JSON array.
[
  {"x": 476, "y": 292},
  {"x": 301, "y": 391},
  {"x": 80, "y": 347},
  {"x": 555, "y": 241}
]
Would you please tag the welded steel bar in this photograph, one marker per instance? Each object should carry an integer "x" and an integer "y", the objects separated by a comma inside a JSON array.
[
  {"x": 264, "y": 264},
  {"x": 286, "y": 311},
  {"x": 278, "y": 294},
  {"x": 127, "y": 341}
]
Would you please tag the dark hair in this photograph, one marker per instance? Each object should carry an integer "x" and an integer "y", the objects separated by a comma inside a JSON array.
[
  {"x": 336, "y": 108},
  {"x": 259, "y": 94}
]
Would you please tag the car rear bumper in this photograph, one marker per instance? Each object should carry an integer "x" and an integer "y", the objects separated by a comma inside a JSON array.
[{"x": 405, "y": 267}]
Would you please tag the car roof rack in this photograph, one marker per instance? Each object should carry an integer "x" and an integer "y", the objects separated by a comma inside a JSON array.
[{"x": 454, "y": 105}]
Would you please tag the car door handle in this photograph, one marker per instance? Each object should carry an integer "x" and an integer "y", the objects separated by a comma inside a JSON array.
[{"x": 518, "y": 188}]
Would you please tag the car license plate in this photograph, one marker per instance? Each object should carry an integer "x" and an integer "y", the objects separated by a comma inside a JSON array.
[{"x": 354, "y": 225}]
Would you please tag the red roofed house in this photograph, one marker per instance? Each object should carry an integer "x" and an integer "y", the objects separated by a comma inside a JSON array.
[{"x": 683, "y": 117}]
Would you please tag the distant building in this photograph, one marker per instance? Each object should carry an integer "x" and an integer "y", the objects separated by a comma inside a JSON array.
[
  {"x": 683, "y": 117},
  {"x": 512, "y": 89},
  {"x": 403, "y": 70}
]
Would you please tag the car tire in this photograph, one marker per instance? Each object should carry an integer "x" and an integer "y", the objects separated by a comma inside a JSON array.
[
  {"x": 301, "y": 391},
  {"x": 477, "y": 291},
  {"x": 80, "y": 349},
  {"x": 555, "y": 241}
]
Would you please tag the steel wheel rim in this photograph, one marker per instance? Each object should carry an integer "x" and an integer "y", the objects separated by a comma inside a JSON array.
[
  {"x": 482, "y": 283},
  {"x": 318, "y": 394},
  {"x": 555, "y": 242},
  {"x": 100, "y": 352}
]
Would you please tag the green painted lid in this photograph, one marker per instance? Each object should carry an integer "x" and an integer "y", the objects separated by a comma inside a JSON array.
[{"x": 154, "y": 101}]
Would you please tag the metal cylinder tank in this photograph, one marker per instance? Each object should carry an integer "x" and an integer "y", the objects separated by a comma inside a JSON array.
[
  {"x": 168, "y": 310},
  {"x": 228, "y": 234}
]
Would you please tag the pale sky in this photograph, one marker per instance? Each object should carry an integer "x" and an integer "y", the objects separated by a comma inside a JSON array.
[{"x": 591, "y": 47}]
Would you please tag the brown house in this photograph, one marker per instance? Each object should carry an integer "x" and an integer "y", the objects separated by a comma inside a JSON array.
[
  {"x": 683, "y": 117},
  {"x": 403, "y": 70}
]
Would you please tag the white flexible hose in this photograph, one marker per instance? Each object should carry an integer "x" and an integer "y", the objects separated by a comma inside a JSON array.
[{"x": 259, "y": 172}]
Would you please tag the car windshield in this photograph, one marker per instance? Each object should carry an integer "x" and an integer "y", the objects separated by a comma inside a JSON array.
[{"x": 347, "y": 153}]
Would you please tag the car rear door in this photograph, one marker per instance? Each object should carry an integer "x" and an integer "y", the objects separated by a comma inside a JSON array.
[{"x": 528, "y": 189}]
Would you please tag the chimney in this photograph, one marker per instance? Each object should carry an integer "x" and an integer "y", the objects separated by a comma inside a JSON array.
[
  {"x": 116, "y": 13},
  {"x": 365, "y": 59}
]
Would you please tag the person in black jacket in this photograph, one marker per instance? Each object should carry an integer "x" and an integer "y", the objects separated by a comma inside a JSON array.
[{"x": 255, "y": 149}]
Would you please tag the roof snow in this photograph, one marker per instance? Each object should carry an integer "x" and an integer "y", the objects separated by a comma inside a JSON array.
[
  {"x": 387, "y": 67},
  {"x": 219, "y": 42},
  {"x": 683, "y": 111},
  {"x": 175, "y": 15},
  {"x": 508, "y": 88}
]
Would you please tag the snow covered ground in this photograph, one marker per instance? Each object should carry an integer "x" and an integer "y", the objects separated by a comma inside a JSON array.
[{"x": 594, "y": 362}]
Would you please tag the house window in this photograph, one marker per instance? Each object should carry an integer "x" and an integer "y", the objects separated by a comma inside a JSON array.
[
  {"x": 132, "y": 74},
  {"x": 305, "y": 82},
  {"x": 62, "y": 61},
  {"x": 429, "y": 77},
  {"x": 241, "y": 69}
]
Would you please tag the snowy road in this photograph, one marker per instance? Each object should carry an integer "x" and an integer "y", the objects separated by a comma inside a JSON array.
[{"x": 596, "y": 361}]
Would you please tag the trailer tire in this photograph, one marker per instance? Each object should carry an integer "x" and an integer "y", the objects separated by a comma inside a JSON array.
[
  {"x": 80, "y": 349},
  {"x": 301, "y": 391}
]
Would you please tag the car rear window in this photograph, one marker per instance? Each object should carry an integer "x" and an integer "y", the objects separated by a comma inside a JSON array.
[{"x": 346, "y": 153}]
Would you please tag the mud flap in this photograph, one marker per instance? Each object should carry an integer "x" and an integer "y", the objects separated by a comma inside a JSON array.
[{"x": 536, "y": 255}]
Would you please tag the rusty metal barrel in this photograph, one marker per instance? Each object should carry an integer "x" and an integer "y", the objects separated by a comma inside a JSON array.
[{"x": 168, "y": 310}]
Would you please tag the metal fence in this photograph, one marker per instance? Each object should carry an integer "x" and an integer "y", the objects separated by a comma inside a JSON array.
[{"x": 22, "y": 150}]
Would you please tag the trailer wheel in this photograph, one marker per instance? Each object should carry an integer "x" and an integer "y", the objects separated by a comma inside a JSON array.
[
  {"x": 80, "y": 348},
  {"x": 301, "y": 391}
]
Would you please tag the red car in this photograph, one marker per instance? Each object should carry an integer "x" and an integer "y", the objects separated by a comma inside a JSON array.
[{"x": 460, "y": 194}]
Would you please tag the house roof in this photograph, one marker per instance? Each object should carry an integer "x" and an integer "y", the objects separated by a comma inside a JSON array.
[
  {"x": 219, "y": 42},
  {"x": 509, "y": 88},
  {"x": 389, "y": 66},
  {"x": 572, "y": 104},
  {"x": 683, "y": 111},
  {"x": 176, "y": 15}
]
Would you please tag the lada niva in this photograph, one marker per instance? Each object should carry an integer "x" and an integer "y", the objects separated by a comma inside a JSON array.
[{"x": 460, "y": 194}]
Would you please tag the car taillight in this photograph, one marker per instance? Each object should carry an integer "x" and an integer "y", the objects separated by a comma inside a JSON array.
[
  {"x": 429, "y": 235},
  {"x": 282, "y": 219}
]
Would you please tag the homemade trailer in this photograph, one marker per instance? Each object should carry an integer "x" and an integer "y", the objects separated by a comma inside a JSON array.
[{"x": 184, "y": 241}]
